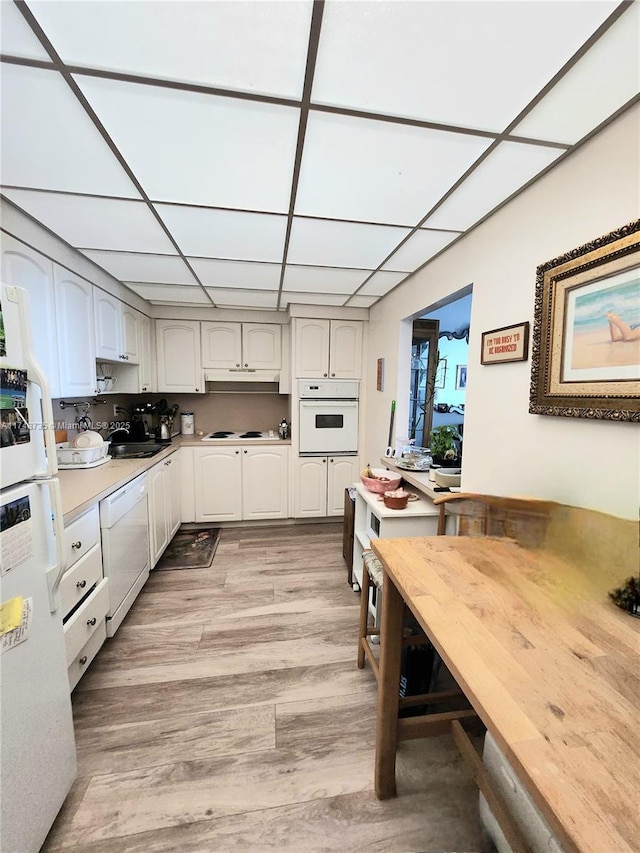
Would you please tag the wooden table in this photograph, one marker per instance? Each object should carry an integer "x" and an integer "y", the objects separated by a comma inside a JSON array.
[{"x": 549, "y": 664}]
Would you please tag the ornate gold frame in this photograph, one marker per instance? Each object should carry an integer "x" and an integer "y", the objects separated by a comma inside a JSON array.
[{"x": 551, "y": 392}]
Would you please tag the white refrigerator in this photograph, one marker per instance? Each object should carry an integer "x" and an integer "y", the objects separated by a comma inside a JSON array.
[{"x": 37, "y": 748}]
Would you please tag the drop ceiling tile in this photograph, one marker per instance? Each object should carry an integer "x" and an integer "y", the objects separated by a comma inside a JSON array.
[
  {"x": 604, "y": 79},
  {"x": 419, "y": 248},
  {"x": 252, "y": 46},
  {"x": 169, "y": 293},
  {"x": 378, "y": 172},
  {"x": 97, "y": 223},
  {"x": 200, "y": 149},
  {"x": 293, "y": 298},
  {"x": 226, "y": 233},
  {"x": 341, "y": 244},
  {"x": 16, "y": 36},
  {"x": 48, "y": 140},
  {"x": 381, "y": 283},
  {"x": 151, "y": 269},
  {"x": 323, "y": 280},
  {"x": 426, "y": 60},
  {"x": 360, "y": 301},
  {"x": 506, "y": 169},
  {"x": 243, "y": 298},
  {"x": 213, "y": 273}
]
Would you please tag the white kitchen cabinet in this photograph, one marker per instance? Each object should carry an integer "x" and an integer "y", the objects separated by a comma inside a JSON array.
[
  {"x": 23, "y": 267},
  {"x": 251, "y": 346},
  {"x": 240, "y": 482},
  {"x": 264, "y": 482},
  {"x": 76, "y": 339},
  {"x": 84, "y": 594},
  {"x": 178, "y": 356},
  {"x": 146, "y": 378},
  {"x": 320, "y": 482},
  {"x": 217, "y": 478},
  {"x": 116, "y": 325},
  {"x": 328, "y": 348},
  {"x": 164, "y": 504},
  {"x": 130, "y": 322},
  {"x": 108, "y": 325}
]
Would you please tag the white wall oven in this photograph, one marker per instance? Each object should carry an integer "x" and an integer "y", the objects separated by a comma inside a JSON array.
[{"x": 328, "y": 417}]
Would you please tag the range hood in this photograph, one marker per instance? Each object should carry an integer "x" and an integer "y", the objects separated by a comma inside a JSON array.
[{"x": 241, "y": 375}]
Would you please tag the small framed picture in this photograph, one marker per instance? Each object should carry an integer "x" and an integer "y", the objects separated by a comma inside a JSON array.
[
  {"x": 510, "y": 343},
  {"x": 461, "y": 377}
]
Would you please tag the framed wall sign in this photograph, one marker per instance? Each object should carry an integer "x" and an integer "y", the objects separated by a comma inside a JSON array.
[
  {"x": 586, "y": 336},
  {"x": 510, "y": 343},
  {"x": 461, "y": 376}
]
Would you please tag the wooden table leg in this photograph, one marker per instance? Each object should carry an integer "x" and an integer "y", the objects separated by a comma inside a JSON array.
[{"x": 388, "y": 685}]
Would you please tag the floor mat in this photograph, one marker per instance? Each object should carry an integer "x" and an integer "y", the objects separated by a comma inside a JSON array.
[{"x": 193, "y": 549}]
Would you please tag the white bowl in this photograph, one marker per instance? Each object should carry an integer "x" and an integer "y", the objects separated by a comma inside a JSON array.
[{"x": 447, "y": 477}]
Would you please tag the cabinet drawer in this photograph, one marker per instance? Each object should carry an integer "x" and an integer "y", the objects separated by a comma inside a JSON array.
[
  {"x": 77, "y": 581},
  {"x": 86, "y": 619},
  {"x": 81, "y": 535},
  {"x": 80, "y": 663}
]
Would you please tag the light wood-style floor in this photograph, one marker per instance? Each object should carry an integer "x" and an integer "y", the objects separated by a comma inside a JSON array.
[{"x": 228, "y": 714}]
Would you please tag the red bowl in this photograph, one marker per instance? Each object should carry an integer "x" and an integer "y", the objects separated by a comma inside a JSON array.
[{"x": 392, "y": 502}]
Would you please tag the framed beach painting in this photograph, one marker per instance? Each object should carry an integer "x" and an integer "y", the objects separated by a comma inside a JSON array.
[{"x": 586, "y": 334}]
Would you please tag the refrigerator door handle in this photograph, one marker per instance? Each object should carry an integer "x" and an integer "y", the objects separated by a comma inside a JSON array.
[
  {"x": 55, "y": 572},
  {"x": 38, "y": 378}
]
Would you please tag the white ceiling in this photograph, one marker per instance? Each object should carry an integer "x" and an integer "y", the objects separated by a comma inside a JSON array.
[{"x": 256, "y": 154}]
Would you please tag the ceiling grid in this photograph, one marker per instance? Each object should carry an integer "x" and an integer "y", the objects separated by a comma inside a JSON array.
[{"x": 269, "y": 152}]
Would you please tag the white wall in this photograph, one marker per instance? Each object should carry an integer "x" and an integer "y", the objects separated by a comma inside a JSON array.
[{"x": 507, "y": 451}]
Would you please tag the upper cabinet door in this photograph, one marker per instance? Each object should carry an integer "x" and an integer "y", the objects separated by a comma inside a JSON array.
[
  {"x": 222, "y": 345},
  {"x": 108, "y": 325},
  {"x": 146, "y": 375},
  {"x": 345, "y": 349},
  {"x": 178, "y": 356},
  {"x": 24, "y": 267},
  {"x": 130, "y": 321},
  {"x": 76, "y": 341},
  {"x": 261, "y": 346},
  {"x": 312, "y": 349}
]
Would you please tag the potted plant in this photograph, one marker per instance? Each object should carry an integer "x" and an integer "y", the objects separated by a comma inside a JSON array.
[{"x": 442, "y": 446}]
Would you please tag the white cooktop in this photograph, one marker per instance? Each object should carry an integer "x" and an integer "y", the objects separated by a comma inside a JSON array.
[{"x": 250, "y": 435}]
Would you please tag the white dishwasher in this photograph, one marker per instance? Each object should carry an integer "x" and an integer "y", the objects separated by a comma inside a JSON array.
[{"x": 124, "y": 525}]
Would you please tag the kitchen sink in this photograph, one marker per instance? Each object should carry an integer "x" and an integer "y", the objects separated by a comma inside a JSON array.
[{"x": 135, "y": 450}]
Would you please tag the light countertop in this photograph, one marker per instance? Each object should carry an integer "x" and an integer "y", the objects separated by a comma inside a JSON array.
[
  {"x": 80, "y": 489},
  {"x": 419, "y": 479}
]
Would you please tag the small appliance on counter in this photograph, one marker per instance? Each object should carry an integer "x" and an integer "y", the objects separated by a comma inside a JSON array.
[
  {"x": 283, "y": 429},
  {"x": 187, "y": 423}
]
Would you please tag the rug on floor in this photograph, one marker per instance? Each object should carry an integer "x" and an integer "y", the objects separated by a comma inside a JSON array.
[{"x": 192, "y": 549}]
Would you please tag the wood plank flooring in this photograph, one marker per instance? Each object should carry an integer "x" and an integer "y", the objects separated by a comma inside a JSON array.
[{"x": 228, "y": 714}]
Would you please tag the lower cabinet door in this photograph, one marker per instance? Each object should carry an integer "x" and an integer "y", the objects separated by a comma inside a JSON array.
[
  {"x": 218, "y": 483},
  {"x": 157, "y": 479},
  {"x": 264, "y": 482},
  {"x": 174, "y": 495},
  {"x": 342, "y": 471},
  {"x": 310, "y": 489}
]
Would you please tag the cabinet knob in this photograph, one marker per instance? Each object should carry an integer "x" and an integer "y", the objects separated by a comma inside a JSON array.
[
  {"x": 325, "y": 375},
  {"x": 331, "y": 460},
  {"x": 245, "y": 451},
  {"x": 237, "y": 451},
  {"x": 83, "y": 660},
  {"x": 246, "y": 365},
  {"x": 324, "y": 461},
  {"x": 333, "y": 374},
  {"x": 91, "y": 622},
  {"x": 237, "y": 364},
  {"x": 81, "y": 584},
  {"x": 197, "y": 389},
  {"x": 77, "y": 544}
]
